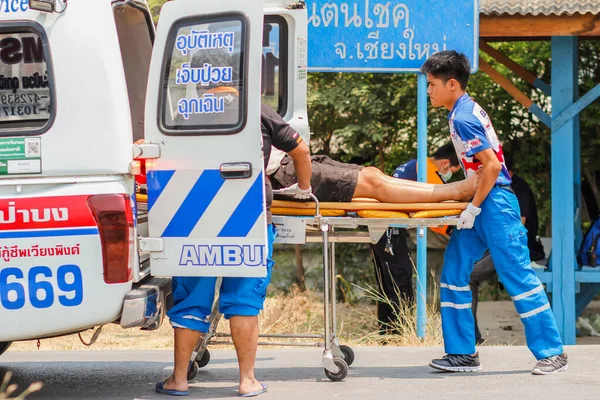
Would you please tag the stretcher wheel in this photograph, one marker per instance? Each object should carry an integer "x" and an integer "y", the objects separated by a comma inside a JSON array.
[
  {"x": 203, "y": 360},
  {"x": 348, "y": 354},
  {"x": 342, "y": 370},
  {"x": 192, "y": 371}
]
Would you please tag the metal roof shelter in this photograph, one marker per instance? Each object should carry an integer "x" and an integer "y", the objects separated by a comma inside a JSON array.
[
  {"x": 564, "y": 23},
  {"x": 539, "y": 7}
]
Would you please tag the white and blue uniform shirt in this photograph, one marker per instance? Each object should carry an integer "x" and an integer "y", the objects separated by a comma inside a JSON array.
[{"x": 472, "y": 131}]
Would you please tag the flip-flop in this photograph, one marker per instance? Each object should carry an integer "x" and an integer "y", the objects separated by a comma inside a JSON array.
[
  {"x": 253, "y": 394},
  {"x": 160, "y": 388}
]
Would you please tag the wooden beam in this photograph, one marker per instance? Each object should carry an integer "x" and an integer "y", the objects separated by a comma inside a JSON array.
[
  {"x": 514, "y": 67},
  {"x": 514, "y": 91},
  {"x": 505, "y": 83},
  {"x": 510, "y": 64},
  {"x": 513, "y": 26}
]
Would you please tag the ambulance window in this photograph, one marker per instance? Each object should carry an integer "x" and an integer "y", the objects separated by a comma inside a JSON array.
[
  {"x": 203, "y": 88},
  {"x": 274, "y": 74},
  {"x": 26, "y": 83}
]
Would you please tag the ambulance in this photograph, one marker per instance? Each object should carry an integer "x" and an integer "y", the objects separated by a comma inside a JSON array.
[{"x": 85, "y": 238}]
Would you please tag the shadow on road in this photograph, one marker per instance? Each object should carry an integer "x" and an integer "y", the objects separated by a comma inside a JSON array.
[{"x": 136, "y": 380}]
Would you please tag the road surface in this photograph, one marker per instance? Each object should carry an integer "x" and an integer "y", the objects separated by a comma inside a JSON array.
[{"x": 378, "y": 373}]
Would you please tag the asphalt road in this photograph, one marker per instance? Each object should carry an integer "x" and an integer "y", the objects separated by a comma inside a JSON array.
[{"x": 378, "y": 373}]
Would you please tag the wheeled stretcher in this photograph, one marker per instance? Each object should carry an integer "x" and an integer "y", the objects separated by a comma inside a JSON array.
[{"x": 330, "y": 223}]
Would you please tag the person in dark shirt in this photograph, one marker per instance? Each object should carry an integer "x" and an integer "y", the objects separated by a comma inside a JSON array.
[
  {"x": 391, "y": 255},
  {"x": 290, "y": 141},
  {"x": 484, "y": 269},
  {"x": 240, "y": 299},
  {"x": 529, "y": 214}
]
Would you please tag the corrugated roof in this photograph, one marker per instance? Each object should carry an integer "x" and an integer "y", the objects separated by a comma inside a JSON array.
[{"x": 537, "y": 7}]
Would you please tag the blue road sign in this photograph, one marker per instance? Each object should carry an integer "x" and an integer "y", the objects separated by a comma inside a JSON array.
[{"x": 389, "y": 36}]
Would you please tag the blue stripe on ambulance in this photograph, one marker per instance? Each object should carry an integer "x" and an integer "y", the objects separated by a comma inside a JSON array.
[
  {"x": 201, "y": 195},
  {"x": 246, "y": 213},
  {"x": 156, "y": 182},
  {"x": 195, "y": 204}
]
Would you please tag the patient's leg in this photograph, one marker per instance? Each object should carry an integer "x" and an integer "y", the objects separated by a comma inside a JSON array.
[
  {"x": 391, "y": 179},
  {"x": 376, "y": 185}
]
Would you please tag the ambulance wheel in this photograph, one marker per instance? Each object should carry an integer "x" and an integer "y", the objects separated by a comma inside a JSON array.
[
  {"x": 203, "y": 360},
  {"x": 342, "y": 370},
  {"x": 348, "y": 354},
  {"x": 192, "y": 371},
  {"x": 4, "y": 346}
]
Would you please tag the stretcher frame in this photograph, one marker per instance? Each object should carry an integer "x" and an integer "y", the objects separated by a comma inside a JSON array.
[{"x": 336, "y": 357}]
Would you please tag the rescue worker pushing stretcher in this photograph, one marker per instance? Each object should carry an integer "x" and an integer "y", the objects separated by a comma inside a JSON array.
[{"x": 491, "y": 221}]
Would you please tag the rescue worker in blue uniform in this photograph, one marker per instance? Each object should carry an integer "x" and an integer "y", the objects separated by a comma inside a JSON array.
[{"x": 491, "y": 221}]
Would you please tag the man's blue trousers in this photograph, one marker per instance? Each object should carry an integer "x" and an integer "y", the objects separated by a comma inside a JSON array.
[{"x": 498, "y": 228}]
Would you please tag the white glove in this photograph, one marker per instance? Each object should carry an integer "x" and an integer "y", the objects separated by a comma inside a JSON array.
[
  {"x": 295, "y": 191},
  {"x": 467, "y": 217}
]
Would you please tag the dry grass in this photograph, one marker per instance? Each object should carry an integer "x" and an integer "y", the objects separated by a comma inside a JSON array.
[
  {"x": 300, "y": 312},
  {"x": 7, "y": 389},
  {"x": 405, "y": 317},
  {"x": 405, "y": 322}
]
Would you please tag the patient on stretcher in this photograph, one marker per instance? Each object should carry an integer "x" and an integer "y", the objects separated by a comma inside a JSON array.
[{"x": 334, "y": 181}]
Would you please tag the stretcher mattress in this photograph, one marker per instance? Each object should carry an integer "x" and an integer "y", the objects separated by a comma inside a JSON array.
[
  {"x": 364, "y": 208},
  {"x": 369, "y": 208},
  {"x": 306, "y": 212}
]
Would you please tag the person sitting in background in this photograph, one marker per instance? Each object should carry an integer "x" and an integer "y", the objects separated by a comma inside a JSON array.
[{"x": 391, "y": 255}]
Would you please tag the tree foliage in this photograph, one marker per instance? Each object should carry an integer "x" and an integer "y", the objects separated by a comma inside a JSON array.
[
  {"x": 362, "y": 117},
  {"x": 155, "y": 6}
]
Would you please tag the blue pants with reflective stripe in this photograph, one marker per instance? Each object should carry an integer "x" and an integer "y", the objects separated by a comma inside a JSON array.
[
  {"x": 498, "y": 228},
  {"x": 194, "y": 296}
]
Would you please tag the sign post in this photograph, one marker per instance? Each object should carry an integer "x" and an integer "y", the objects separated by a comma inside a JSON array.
[
  {"x": 421, "y": 294},
  {"x": 394, "y": 37}
]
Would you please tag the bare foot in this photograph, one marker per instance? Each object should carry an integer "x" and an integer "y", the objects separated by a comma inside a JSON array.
[
  {"x": 249, "y": 385},
  {"x": 469, "y": 188},
  {"x": 171, "y": 384}
]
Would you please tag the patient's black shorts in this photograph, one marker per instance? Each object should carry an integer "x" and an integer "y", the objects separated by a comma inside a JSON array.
[{"x": 331, "y": 180}]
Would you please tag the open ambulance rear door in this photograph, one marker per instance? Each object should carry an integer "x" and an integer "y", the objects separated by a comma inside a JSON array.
[
  {"x": 206, "y": 187},
  {"x": 285, "y": 62}
]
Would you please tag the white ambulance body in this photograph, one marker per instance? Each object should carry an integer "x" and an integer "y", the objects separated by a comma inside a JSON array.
[{"x": 79, "y": 84}]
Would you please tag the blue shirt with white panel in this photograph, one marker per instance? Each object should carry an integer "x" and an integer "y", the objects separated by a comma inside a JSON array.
[{"x": 472, "y": 132}]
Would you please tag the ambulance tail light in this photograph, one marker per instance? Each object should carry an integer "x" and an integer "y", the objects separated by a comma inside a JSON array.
[{"x": 114, "y": 217}]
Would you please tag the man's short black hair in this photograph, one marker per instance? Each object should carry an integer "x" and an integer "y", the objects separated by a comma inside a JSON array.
[
  {"x": 448, "y": 65},
  {"x": 447, "y": 152}
]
